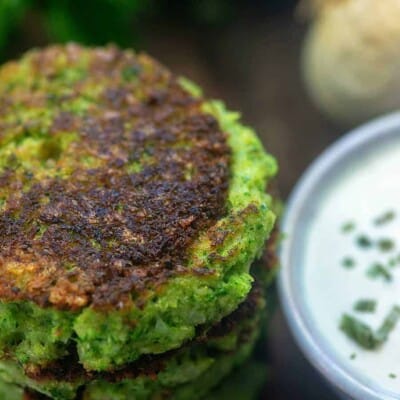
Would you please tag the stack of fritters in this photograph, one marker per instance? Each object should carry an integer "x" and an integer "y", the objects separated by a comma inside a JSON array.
[{"x": 131, "y": 210}]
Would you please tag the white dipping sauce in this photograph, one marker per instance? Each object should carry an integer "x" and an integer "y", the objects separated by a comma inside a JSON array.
[{"x": 367, "y": 188}]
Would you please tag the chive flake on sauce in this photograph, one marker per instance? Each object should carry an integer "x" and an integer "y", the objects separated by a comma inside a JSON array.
[
  {"x": 365, "y": 305},
  {"x": 364, "y": 335},
  {"x": 358, "y": 331},
  {"x": 348, "y": 227},
  {"x": 393, "y": 262},
  {"x": 385, "y": 244},
  {"x": 377, "y": 270},
  {"x": 385, "y": 218},
  {"x": 392, "y": 376},
  {"x": 348, "y": 262},
  {"x": 363, "y": 241},
  {"x": 353, "y": 356},
  {"x": 388, "y": 324}
]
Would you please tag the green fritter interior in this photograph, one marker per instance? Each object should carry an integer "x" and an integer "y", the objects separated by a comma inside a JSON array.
[
  {"x": 186, "y": 373},
  {"x": 196, "y": 389},
  {"x": 116, "y": 311},
  {"x": 245, "y": 383},
  {"x": 214, "y": 370}
]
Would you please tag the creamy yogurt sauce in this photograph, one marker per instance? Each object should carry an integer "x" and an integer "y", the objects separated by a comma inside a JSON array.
[{"x": 366, "y": 189}]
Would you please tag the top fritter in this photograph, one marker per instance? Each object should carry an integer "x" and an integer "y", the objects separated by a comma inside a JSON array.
[
  {"x": 108, "y": 171},
  {"x": 131, "y": 208}
]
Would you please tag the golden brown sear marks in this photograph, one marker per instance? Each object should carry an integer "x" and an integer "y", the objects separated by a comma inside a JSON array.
[
  {"x": 127, "y": 170},
  {"x": 69, "y": 369}
]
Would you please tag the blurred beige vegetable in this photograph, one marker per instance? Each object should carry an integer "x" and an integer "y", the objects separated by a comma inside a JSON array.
[{"x": 351, "y": 58}]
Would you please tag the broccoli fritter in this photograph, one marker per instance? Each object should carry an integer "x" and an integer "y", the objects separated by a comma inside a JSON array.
[
  {"x": 131, "y": 208},
  {"x": 214, "y": 353}
]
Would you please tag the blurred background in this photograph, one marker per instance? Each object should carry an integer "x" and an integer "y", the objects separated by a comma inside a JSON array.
[{"x": 249, "y": 54}]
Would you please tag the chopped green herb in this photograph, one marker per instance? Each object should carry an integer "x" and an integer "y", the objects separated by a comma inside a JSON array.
[
  {"x": 385, "y": 218},
  {"x": 393, "y": 262},
  {"x": 364, "y": 242},
  {"x": 353, "y": 356},
  {"x": 392, "y": 376},
  {"x": 348, "y": 227},
  {"x": 348, "y": 262},
  {"x": 377, "y": 270},
  {"x": 388, "y": 324},
  {"x": 385, "y": 244},
  {"x": 365, "y": 305},
  {"x": 364, "y": 335},
  {"x": 358, "y": 331}
]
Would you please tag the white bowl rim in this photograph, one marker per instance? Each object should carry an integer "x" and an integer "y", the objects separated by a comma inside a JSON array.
[{"x": 340, "y": 379}]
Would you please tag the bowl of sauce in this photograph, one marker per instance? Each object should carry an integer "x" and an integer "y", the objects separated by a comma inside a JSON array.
[{"x": 339, "y": 282}]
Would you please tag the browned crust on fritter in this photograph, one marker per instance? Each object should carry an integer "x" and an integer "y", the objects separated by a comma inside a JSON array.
[
  {"x": 31, "y": 395},
  {"x": 269, "y": 259},
  {"x": 150, "y": 365},
  {"x": 105, "y": 233},
  {"x": 69, "y": 369}
]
